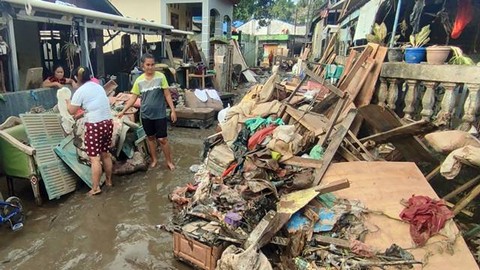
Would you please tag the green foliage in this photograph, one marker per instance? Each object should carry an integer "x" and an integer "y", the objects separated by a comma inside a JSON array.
[
  {"x": 459, "y": 58},
  {"x": 285, "y": 10},
  {"x": 421, "y": 38},
  {"x": 379, "y": 33}
]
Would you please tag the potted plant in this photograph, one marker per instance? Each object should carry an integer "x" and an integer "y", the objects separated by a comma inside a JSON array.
[
  {"x": 437, "y": 55},
  {"x": 379, "y": 35},
  {"x": 416, "y": 53}
]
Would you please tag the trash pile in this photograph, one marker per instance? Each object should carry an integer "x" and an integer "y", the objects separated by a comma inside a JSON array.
[{"x": 259, "y": 196}]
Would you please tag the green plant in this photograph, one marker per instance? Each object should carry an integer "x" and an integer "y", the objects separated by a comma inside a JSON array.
[
  {"x": 459, "y": 58},
  {"x": 421, "y": 38},
  {"x": 70, "y": 49},
  {"x": 379, "y": 33}
]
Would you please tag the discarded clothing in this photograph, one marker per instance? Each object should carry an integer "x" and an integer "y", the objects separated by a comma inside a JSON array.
[
  {"x": 259, "y": 136},
  {"x": 201, "y": 95},
  {"x": 452, "y": 165},
  {"x": 426, "y": 217},
  {"x": 255, "y": 123},
  {"x": 234, "y": 258}
]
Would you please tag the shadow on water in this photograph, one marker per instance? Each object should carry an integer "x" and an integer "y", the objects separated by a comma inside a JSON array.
[{"x": 113, "y": 230}]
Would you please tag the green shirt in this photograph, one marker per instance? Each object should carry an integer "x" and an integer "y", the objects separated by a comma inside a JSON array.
[{"x": 152, "y": 95}]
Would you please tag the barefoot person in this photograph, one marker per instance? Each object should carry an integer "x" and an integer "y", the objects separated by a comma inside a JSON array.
[
  {"x": 98, "y": 126},
  {"x": 152, "y": 86}
]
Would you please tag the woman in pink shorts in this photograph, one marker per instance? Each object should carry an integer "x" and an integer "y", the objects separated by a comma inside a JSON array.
[{"x": 98, "y": 126}]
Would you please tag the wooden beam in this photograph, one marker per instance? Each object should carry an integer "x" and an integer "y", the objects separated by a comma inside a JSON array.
[
  {"x": 318, "y": 79},
  {"x": 334, "y": 144},
  {"x": 411, "y": 129},
  {"x": 461, "y": 188},
  {"x": 303, "y": 162}
]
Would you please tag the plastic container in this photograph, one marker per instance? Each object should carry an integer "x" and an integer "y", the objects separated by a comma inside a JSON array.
[{"x": 414, "y": 55}]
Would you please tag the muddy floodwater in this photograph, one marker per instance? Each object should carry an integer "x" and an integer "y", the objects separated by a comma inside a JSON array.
[{"x": 113, "y": 230}]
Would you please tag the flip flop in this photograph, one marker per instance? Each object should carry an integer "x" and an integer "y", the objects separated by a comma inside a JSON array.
[{"x": 94, "y": 192}]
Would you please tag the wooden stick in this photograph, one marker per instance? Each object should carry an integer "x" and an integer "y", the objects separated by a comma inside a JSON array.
[
  {"x": 333, "y": 120},
  {"x": 365, "y": 150},
  {"x": 465, "y": 212},
  {"x": 334, "y": 144},
  {"x": 462, "y": 188},
  {"x": 433, "y": 173},
  {"x": 466, "y": 200}
]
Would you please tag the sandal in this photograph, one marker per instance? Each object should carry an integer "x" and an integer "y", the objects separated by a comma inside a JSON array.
[{"x": 94, "y": 192}]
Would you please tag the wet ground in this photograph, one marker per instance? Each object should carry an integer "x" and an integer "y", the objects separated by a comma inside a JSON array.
[{"x": 113, "y": 230}]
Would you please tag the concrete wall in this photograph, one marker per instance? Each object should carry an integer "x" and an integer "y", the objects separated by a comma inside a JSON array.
[
  {"x": 28, "y": 48},
  {"x": 22, "y": 101}
]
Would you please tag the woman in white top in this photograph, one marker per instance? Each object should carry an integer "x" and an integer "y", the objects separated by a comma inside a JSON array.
[{"x": 98, "y": 125}]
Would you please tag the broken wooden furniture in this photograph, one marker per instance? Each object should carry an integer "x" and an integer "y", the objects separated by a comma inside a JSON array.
[
  {"x": 200, "y": 77},
  {"x": 418, "y": 88},
  {"x": 388, "y": 127},
  {"x": 16, "y": 158},
  {"x": 195, "y": 117}
]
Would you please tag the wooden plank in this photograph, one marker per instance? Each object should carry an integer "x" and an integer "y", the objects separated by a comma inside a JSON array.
[
  {"x": 333, "y": 119},
  {"x": 466, "y": 200},
  {"x": 348, "y": 64},
  {"x": 358, "y": 79},
  {"x": 365, "y": 150},
  {"x": 342, "y": 243},
  {"x": 380, "y": 186},
  {"x": 411, "y": 129},
  {"x": 311, "y": 121},
  {"x": 303, "y": 162},
  {"x": 383, "y": 119},
  {"x": 369, "y": 50},
  {"x": 333, "y": 145},
  {"x": 318, "y": 79},
  {"x": 365, "y": 95}
]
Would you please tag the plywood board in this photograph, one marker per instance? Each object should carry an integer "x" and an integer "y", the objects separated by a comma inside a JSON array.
[{"x": 381, "y": 186}]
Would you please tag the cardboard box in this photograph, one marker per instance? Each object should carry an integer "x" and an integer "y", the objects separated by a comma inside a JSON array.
[{"x": 199, "y": 255}]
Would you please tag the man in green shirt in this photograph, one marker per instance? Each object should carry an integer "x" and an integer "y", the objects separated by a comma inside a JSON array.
[{"x": 152, "y": 87}]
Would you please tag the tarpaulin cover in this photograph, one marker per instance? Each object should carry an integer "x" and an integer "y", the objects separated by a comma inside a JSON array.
[{"x": 426, "y": 217}]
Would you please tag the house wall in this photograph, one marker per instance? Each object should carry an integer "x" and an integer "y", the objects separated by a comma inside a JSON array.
[
  {"x": 28, "y": 49},
  {"x": 317, "y": 39},
  {"x": 149, "y": 10}
]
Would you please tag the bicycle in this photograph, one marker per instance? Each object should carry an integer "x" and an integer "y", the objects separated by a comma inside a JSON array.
[{"x": 11, "y": 211}]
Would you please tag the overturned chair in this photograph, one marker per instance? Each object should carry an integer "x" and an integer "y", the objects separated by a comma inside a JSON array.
[{"x": 17, "y": 158}]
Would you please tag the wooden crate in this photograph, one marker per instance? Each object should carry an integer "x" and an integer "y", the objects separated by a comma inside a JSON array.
[{"x": 193, "y": 252}]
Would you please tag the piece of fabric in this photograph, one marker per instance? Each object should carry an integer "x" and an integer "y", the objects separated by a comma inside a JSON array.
[
  {"x": 212, "y": 93},
  {"x": 98, "y": 137},
  {"x": 254, "y": 123},
  {"x": 155, "y": 127},
  {"x": 426, "y": 217},
  {"x": 449, "y": 140},
  {"x": 464, "y": 17},
  {"x": 92, "y": 98},
  {"x": 201, "y": 95},
  {"x": 152, "y": 93},
  {"x": 452, "y": 164},
  {"x": 234, "y": 258},
  {"x": 52, "y": 79},
  {"x": 259, "y": 136},
  {"x": 67, "y": 119}
]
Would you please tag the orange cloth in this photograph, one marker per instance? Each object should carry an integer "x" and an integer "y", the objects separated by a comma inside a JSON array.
[{"x": 464, "y": 16}]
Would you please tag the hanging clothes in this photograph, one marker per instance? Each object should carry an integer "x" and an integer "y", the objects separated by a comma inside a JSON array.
[{"x": 464, "y": 16}]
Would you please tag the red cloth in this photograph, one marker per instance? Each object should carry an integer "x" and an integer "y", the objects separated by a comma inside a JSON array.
[
  {"x": 464, "y": 16},
  {"x": 259, "y": 136},
  {"x": 426, "y": 217}
]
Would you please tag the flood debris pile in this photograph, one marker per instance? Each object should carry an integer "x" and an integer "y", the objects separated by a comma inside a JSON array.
[{"x": 259, "y": 195}]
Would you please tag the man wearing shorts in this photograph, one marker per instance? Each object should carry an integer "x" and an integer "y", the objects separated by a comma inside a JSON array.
[
  {"x": 152, "y": 86},
  {"x": 98, "y": 126}
]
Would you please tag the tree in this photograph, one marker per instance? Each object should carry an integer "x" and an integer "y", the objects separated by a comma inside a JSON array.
[
  {"x": 285, "y": 10},
  {"x": 264, "y": 10}
]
